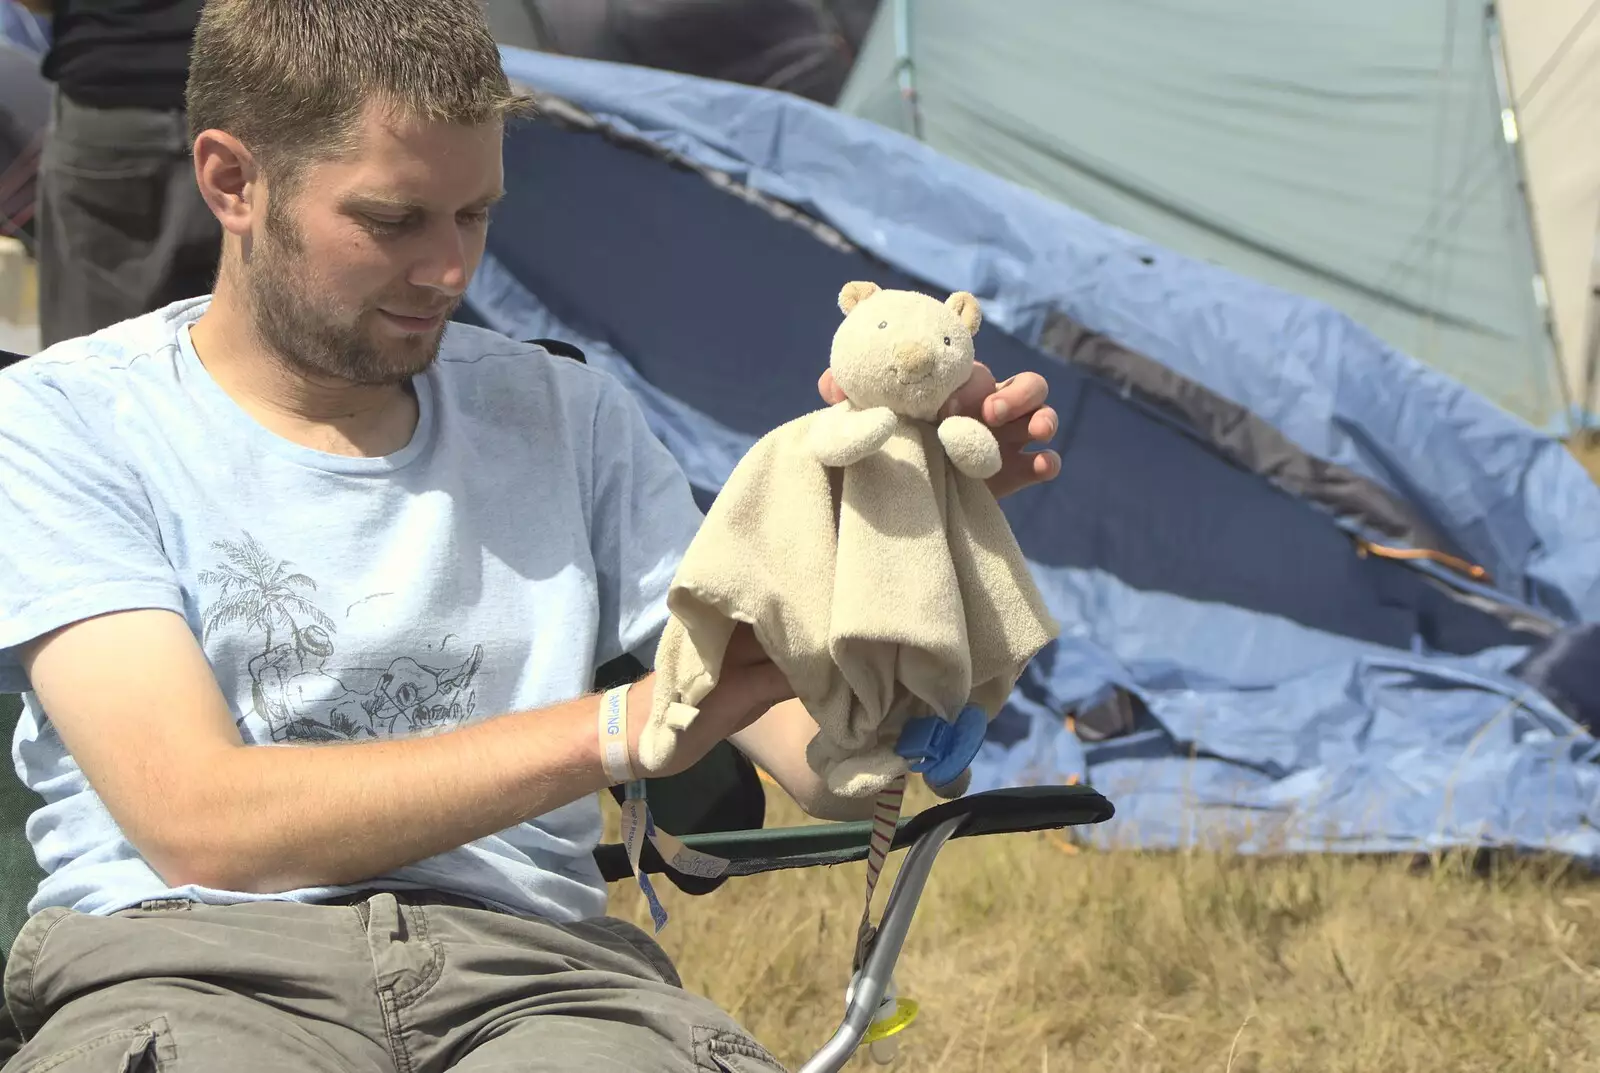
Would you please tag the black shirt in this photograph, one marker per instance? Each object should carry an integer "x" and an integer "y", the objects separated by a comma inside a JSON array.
[{"x": 111, "y": 53}]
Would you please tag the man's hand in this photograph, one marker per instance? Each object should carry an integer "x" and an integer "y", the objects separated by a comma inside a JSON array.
[
  {"x": 748, "y": 685},
  {"x": 1016, "y": 413}
]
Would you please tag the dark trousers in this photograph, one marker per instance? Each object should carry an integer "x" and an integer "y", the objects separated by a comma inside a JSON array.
[{"x": 121, "y": 228}]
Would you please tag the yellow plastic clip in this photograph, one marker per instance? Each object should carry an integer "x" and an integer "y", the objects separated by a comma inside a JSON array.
[
  {"x": 880, "y": 1041},
  {"x": 899, "y": 1019}
]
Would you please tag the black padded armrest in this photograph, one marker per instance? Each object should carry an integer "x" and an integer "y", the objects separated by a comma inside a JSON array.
[{"x": 1022, "y": 808}]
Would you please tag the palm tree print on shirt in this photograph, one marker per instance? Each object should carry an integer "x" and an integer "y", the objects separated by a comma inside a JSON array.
[
  {"x": 293, "y": 690},
  {"x": 260, "y": 592}
]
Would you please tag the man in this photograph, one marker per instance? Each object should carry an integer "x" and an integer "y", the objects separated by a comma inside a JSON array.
[
  {"x": 120, "y": 228},
  {"x": 306, "y": 513}
]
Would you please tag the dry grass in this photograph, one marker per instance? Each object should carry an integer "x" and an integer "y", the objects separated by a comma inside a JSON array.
[
  {"x": 1587, "y": 449},
  {"x": 1028, "y": 957}
]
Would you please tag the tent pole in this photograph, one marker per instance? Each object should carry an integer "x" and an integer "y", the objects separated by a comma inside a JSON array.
[
  {"x": 1591, "y": 368},
  {"x": 904, "y": 68},
  {"x": 1510, "y": 129}
]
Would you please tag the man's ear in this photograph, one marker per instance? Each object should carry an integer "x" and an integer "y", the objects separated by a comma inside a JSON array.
[
  {"x": 856, "y": 293},
  {"x": 229, "y": 180},
  {"x": 966, "y": 307}
]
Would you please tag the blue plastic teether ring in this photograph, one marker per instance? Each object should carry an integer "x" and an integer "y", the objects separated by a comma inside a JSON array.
[{"x": 941, "y": 751}]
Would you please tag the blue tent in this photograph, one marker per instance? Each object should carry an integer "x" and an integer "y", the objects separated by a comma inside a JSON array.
[{"x": 1295, "y": 566}]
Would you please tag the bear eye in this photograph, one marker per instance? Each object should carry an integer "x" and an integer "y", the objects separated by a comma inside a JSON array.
[
  {"x": 947, "y": 340},
  {"x": 883, "y": 324}
]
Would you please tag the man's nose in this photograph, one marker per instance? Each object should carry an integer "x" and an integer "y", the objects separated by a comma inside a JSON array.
[{"x": 445, "y": 266}]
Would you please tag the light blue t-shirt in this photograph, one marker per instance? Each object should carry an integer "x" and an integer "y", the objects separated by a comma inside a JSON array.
[{"x": 526, "y": 535}]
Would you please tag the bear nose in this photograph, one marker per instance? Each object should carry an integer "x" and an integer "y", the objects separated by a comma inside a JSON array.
[{"x": 915, "y": 360}]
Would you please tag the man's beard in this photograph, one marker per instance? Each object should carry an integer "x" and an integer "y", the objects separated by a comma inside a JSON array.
[{"x": 294, "y": 320}]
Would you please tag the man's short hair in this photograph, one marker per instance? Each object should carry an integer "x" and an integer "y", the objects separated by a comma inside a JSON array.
[{"x": 291, "y": 78}]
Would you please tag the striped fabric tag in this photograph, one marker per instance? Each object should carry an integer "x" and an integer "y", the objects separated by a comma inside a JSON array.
[{"x": 885, "y": 819}]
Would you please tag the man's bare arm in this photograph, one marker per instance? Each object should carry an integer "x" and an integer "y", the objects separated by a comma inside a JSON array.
[
  {"x": 776, "y": 743},
  {"x": 137, "y": 706},
  {"x": 39, "y": 7}
]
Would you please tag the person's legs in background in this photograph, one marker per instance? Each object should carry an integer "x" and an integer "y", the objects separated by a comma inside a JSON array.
[{"x": 122, "y": 229}]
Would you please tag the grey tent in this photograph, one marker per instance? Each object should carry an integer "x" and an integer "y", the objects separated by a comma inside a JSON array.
[
  {"x": 806, "y": 47},
  {"x": 1431, "y": 169},
  {"x": 24, "y": 112}
]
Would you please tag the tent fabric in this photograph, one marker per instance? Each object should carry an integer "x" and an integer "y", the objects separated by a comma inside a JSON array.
[
  {"x": 801, "y": 46},
  {"x": 1511, "y": 498},
  {"x": 1353, "y": 153},
  {"x": 24, "y": 114},
  {"x": 1553, "y": 61},
  {"x": 1240, "y": 436},
  {"x": 691, "y": 237},
  {"x": 24, "y": 29},
  {"x": 24, "y": 93}
]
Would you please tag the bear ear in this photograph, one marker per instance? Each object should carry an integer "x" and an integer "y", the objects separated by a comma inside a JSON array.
[
  {"x": 966, "y": 307},
  {"x": 855, "y": 293}
]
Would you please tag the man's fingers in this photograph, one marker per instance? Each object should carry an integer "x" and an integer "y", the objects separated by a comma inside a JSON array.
[
  {"x": 1023, "y": 470},
  {"x": 1040, "y": 428},
  {"x": 759, "y": 687},
  {"x": 750, "y": 682},
  {"x": 743, "y": 648},
  {"x": 828, "y": 389},
  {"x": 1046, "y": 465},
  {"x": 969, "y": 397},
  {"x": 1015, "y": 411},
  {"x": 1021, "y": 394},
  {"x": 1043, "y": 425},
  {"x": 771, "y": 685},
  {"x": 999, "y": 404}
]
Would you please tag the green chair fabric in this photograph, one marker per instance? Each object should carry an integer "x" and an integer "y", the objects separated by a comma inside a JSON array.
[
  {"x": 1005, "y": 811},
  {"x": 19, "y": 871}
]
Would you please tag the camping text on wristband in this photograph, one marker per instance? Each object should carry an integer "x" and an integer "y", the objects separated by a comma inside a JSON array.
[{"x": 614, "y": 751}]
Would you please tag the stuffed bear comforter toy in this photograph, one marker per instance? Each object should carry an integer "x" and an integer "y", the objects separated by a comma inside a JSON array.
[{"x": 863, "y": 546}]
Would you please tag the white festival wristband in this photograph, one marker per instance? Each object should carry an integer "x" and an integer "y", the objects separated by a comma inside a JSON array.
[{"x": 615, "y": 755}]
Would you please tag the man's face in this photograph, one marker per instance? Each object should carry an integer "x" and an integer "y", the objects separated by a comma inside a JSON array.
[{"x": 356, "y": 273}]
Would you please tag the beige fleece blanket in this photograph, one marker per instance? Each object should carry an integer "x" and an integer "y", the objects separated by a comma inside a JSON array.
[{"x": 885, "y": 589}]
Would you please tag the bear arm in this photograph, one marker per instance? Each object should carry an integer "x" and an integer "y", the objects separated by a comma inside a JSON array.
[
  {"x": 971, "y": 446},
  {"x": 844, "y": 435}
]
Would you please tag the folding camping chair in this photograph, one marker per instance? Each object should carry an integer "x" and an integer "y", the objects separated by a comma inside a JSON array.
[{"x": 717, "y": 807}]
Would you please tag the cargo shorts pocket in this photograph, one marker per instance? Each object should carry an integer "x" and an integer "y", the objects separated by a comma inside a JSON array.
[
  {"x": 22, "y": 967},
  {"x": 717, "y": 1050},
  {"x": 146, "y": 1048}
]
